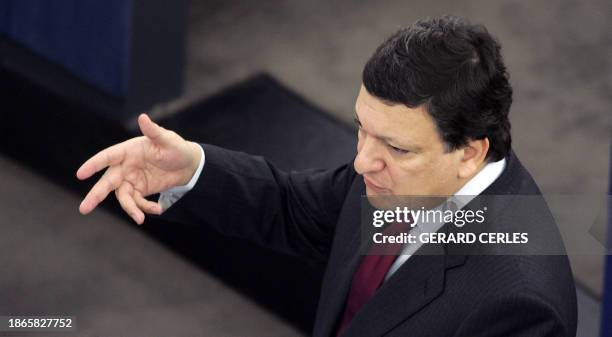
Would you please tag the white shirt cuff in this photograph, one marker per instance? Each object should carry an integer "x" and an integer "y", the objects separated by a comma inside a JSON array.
[{"x": 168, "y": 197}]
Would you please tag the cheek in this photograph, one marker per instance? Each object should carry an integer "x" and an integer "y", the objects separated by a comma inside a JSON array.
[
  {"x": 413, "y": 176},
  {"x": 405, "y": 175},
  {"x": 413, "y": 167},
  {"x": 442, "y": 177}
]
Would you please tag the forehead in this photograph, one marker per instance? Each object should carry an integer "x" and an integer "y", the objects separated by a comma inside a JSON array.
[{"x": 397, "y": 121}]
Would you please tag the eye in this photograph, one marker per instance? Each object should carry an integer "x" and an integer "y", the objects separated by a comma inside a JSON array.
[{"x": 397, "y": 149}]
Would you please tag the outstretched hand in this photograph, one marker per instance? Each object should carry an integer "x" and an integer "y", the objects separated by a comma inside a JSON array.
[{"x": 139, "y": 167}]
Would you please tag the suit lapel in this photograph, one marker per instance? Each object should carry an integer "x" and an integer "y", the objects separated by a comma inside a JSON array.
[
  {"x": 342, "y": 264},
  {"x": 415, "y": 284}
]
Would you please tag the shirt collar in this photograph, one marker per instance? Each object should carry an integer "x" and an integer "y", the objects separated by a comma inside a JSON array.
[{"x": 483, "y": 179}]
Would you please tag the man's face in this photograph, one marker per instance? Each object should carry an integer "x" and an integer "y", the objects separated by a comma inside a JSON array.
[{"x": 400, "y": 152}]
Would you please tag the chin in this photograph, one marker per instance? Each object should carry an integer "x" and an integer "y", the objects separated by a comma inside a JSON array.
[{"x": 381, "y": 200}]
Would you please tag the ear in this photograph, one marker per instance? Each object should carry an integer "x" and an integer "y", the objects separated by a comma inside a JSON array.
[{"x": 474, "y": 154}]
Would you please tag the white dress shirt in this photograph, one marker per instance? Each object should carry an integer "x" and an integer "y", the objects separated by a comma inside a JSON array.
[
  {"x": 472, "y": 188},
  {"x": 469, "y": 191}
]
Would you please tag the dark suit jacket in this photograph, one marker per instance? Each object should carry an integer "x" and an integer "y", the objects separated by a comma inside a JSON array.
[{"x": 315, "y": 215}]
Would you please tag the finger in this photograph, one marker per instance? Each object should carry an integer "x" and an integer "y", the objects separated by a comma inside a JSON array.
[
  {"x": 124, "y": 195},
  {"x": 110, "y": 180},
  {"x": 145, "y": 205},
  {"x": 151, "y": 130},
  {"x": 110, "y": 156}
]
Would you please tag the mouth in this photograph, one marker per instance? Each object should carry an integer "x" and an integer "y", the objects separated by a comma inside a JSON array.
[{"x": 370, "y": 184}]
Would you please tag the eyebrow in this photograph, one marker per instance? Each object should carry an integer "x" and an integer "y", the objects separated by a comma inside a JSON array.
[
  {"x": 358, "y": 122},
  {"x": 389, "y": 139}
]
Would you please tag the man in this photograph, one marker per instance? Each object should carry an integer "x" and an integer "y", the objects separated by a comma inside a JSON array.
[{"x": 433, "y": 120}]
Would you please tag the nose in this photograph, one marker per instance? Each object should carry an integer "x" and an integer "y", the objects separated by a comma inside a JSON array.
[{"x": 369, "y": 156}]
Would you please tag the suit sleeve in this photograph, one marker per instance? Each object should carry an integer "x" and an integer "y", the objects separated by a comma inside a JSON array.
[
  {"x": 246, "y": 196},
  {"x": 515, "y": 316}
]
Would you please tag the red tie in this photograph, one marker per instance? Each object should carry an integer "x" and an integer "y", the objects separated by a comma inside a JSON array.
[{"x": 371, "y": 273}]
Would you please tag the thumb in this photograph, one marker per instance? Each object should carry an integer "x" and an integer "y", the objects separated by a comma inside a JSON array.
[{"x": 150, "y": 129}]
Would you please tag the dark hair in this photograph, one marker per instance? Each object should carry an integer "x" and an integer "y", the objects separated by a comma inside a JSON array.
[{"x": 453, "y": 67}]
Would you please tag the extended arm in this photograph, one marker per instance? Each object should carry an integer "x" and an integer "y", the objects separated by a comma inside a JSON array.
[{"x": 246, "y": 196}]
